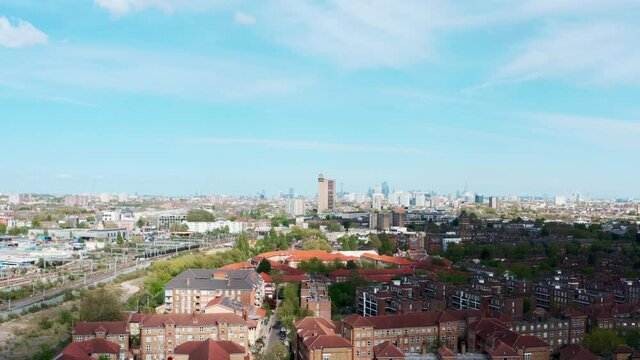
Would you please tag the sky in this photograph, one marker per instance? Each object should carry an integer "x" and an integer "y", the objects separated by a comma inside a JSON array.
[{"x": 235, "y": 97}]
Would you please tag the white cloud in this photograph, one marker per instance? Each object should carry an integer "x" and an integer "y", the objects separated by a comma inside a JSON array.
[
  {"x": 125, "y": 7},
  {"x": 359, "y": 34},
  {"x": 592, "y": 130},
  {"x": 62, "y": 176},
  {"x": 605, "y": 53},
  {"x": 20, "y": 34},
  {"x": 68, "y": 71},
  {"x": 306, "y": 145},
  {"x": 243, "y": 18}
]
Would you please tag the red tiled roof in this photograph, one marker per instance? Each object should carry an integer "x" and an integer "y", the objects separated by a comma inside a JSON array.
[
  {"x": 158, "y": 320},
  {"x": 209, "y": 349},
  {"x": 576, "y": 352},
  {"x": 501, "y": 350},
  {"x": 363, "y": 272},
  {"x": 355, "y": 320},
  {"x": 387, "y": 259},
  {"x": 445, "y": 351},
  {"x": 326, "y": 341},
  {"x": 109, "y": 327},
  {"x": 300, "y": 255},
  {"x": 237, "y": 266},
  {"x": 83, "y": 350},
  {"x": 387, "y": 350}
]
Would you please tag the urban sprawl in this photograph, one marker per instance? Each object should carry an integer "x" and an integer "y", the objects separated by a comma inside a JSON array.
[{"x": 383, "y": 274}]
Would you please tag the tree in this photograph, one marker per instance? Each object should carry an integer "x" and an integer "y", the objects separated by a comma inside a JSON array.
[
  {"x": 348, "y": 242},
  {"x": 101, "y": 305},
  {"x": 351, "y": 265},
  {"x": 386, "y": 246},
  {"x": 200, "y": 215},
  {"x": 264, "y": 266},
  {"x": 242, "y": 244},
  {"x": 178, "y": 227},
  {"x": 602, "y": 342},
  {"x": 141, "y": 222},
  {"x": 3, "y": 228},
  {"x": 35, "y": 223},
  {"x": 317, "y": 244},
  {"x": 276, "y": 352},
  {"x": 119, "y": 238},
  {"x": 374, "y": 241}
]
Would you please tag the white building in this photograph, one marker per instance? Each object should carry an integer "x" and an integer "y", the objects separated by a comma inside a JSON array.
[
  {"x": 493, "y": 202},
  {"x": 295, "y": 207},
  {"x": 378, "y": 199},
  {"x": 420, "y": 199},
  {"x": 15, "y": 198},
  {"x": 560, "y": 200},
  {"x": 404, "y": 199},
  {"x": 450, "y": 238},
  {"x": 235, "y": 227}
]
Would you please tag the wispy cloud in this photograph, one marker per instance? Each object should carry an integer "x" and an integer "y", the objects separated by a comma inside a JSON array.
[
  {"x": 604, "y": 53},
  {"x": 20, "y": 34},
  {"x": 62, "y": 176},
  {"x": 70, "y": 69},
  {"x": 592, "y": 130},
  {"x": 120, "y": 8},
  {"x": 243, "y": 18},
  {"x": 430, "y": 97},
  {"x": 307, "y": 145}
]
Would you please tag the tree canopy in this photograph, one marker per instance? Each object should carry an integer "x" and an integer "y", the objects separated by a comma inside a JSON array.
[{"x": 200, "y": 215}]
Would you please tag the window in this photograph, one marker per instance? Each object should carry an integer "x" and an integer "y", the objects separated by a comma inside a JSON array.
[
  {"x": 527, "y": 356},
  {"x": 326, "y": 356},
  {"x": 78, "y": 338},
  {"x": 148, "y": 348}
]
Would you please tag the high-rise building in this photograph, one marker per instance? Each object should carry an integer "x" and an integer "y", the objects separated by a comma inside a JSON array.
[
  {"x": 295, "y": 207},
  {"x": 326, "y": 194},
  {"x": 385, "y": 189},
  {"x": 493, "y": 202},
  {"x": 377, "y": 200},
  {"x": 479, "y": 199},
  {"x": 15, "y": 198}
]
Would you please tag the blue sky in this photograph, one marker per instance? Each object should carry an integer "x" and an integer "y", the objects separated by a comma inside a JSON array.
[{"x": 232, "y": 96}]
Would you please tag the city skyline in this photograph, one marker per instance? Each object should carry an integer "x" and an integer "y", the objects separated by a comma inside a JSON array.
[{"x": 230, "y": 97}]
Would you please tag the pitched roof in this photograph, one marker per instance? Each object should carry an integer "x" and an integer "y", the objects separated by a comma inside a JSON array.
[
  {"x": 355, "y": 320},
  {"x": 209, "y": 349},
  {"x": 109, "y": 327},
  {"x": 204, "y": 279},
  {"x": 364, "y": 272},
  {"x": 576, "y": 352},
  {"x": 501, "y": 349},
  {"x": 83, "y": 350},
  {"x": 238, "y": 266},
  {"x": 314, "y": 326},
  {"x": 159, "y": 320},
  {"x": 387, "y": 259},
  {"x": 326, "y": 341},
  {"x": 387, "y": 350},
  {"x": 445, "y": 351},
  {"x": 420, "y": 319},
  {"x": 623, "y": 349}
]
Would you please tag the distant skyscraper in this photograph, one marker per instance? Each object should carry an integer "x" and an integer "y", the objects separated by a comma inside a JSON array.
[
  {"x": 377, "y": 200},
  {"x": 295, "y": 207},
  {"x": 385, "y": 189},
  {"x": 291, "y": 193},
  {"x": 326, "y": 194},
  {"x": 493, "y": 202},
  {"x": 479, "y": 199}
]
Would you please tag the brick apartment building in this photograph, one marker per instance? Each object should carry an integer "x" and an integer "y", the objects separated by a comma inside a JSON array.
[
  {"x": 314, "y": 295},
  {"x": 161, "y": 334},
  {"x": 316, "y": 339},
  {"x": 191, "y": 290},
  {"x": 116, "y": 332}
]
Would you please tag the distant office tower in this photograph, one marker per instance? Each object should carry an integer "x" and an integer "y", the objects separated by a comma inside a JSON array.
[
  {"x": 385, "y": 189},
  {"x": 398, "y": 217},
  {"x": 16, "y": 198},
  {"x": 326, "y": 194},
  {"x": 291, "y": 193},
  {"x": 493, "y": 202},
  {"x": 295, "y": 207},
  {"x": 420, "y": 199},
  {"x": 404, "y": 199},
  {"x": 560, "y": 200},
  {"x": 394, "y": 198},
  {"x": 76, "y": 200},
  {"x": 479, "y": 199},
  {"x": 377, "y": 189},
  {"x": 377, "y": 200}
]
